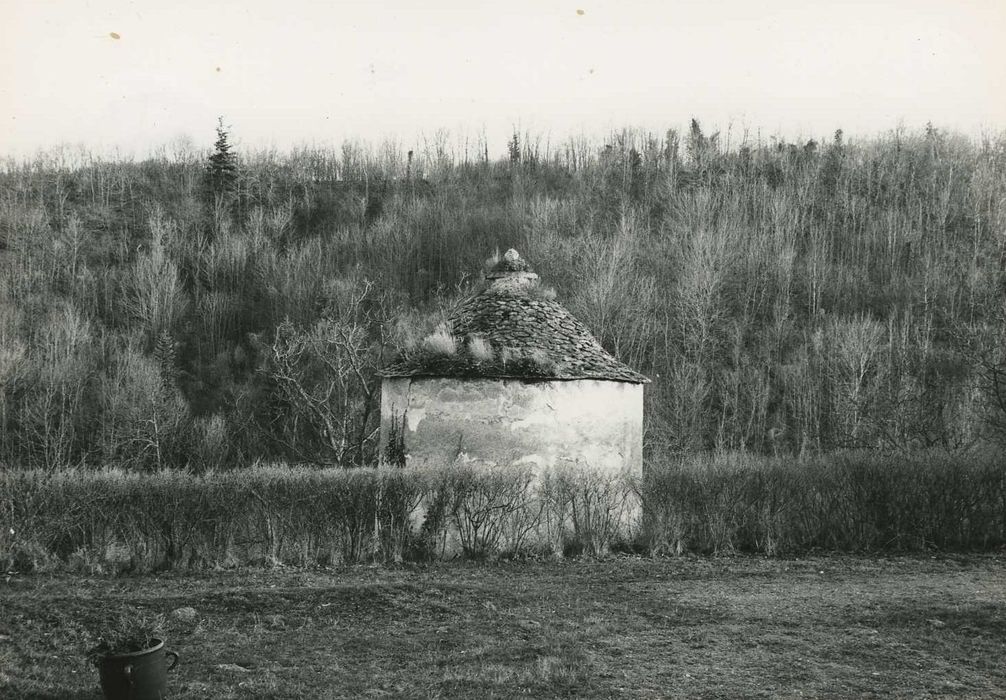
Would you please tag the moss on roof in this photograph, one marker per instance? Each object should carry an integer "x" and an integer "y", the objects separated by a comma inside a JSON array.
[{"x": 530, "y": 336}]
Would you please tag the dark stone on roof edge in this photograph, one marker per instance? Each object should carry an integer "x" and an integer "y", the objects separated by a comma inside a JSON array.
[{"x": 390, "y": 374}]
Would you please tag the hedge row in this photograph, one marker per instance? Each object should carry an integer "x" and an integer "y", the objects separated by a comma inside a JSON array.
[{"x": 114, "y": 520}]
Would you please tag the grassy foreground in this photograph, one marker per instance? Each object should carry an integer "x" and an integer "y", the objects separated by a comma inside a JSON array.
[{"x": 710, "y": 627}]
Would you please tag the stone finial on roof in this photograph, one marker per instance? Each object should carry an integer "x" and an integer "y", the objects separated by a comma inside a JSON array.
[{"x": 512, "y": 270}]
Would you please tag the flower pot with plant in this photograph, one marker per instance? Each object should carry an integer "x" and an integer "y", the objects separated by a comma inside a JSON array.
[{"x": 131, "y": 659}]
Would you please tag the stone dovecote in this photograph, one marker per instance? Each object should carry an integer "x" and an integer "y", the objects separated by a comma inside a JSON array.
[{"x": 522, "y": 381}]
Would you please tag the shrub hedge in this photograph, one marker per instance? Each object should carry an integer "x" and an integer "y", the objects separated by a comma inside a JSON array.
[{"x": 112, "y": 520}]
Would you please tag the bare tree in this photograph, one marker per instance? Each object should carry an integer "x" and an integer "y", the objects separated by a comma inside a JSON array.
[
  {"x": 855, "y": 343},
  {"x": 326, "y": 374}
]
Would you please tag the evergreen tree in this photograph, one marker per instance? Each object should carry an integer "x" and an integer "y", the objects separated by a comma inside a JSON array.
[
  {"x": 513, "y": 148},
  {"x": 221, "y": 171}
]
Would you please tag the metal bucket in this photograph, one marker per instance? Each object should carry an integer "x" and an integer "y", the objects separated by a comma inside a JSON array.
[{"x": 138, "y": 675}]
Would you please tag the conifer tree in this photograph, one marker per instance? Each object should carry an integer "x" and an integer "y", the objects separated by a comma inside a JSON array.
[{"x": 221, "y": 171}]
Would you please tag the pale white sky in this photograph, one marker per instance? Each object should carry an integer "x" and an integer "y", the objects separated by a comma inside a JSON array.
[{"x": 301, "y": 71}]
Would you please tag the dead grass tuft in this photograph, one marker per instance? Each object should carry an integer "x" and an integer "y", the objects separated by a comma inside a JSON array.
[
  {"x": 441, "y": 342},
  {"x": 480, "y": 349}
]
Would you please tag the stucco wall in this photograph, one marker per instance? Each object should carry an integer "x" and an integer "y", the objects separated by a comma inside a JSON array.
[{"x": 594, "y": 422}]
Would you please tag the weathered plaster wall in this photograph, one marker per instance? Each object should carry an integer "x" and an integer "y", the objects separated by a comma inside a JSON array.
[{"x": 594, "y": 422}]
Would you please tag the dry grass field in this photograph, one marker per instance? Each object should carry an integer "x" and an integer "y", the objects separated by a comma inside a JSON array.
[{"x": 623, "y": 627}]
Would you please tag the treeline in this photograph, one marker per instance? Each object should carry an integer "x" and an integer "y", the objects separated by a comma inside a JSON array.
[{"x": 211, "y": 310}]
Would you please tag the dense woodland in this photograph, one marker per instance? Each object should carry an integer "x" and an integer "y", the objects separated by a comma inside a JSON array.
[{"x": 217, "y": 308}]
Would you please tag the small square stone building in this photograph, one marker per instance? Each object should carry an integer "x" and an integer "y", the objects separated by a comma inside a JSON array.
[{"x": 513, "y": 378}]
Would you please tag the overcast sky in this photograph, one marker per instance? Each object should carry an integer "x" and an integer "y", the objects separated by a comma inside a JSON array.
[{"x": 134, "y": 75}]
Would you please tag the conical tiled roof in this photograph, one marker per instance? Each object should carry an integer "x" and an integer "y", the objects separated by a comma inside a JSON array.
[{"x": 529, "y": 336}]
